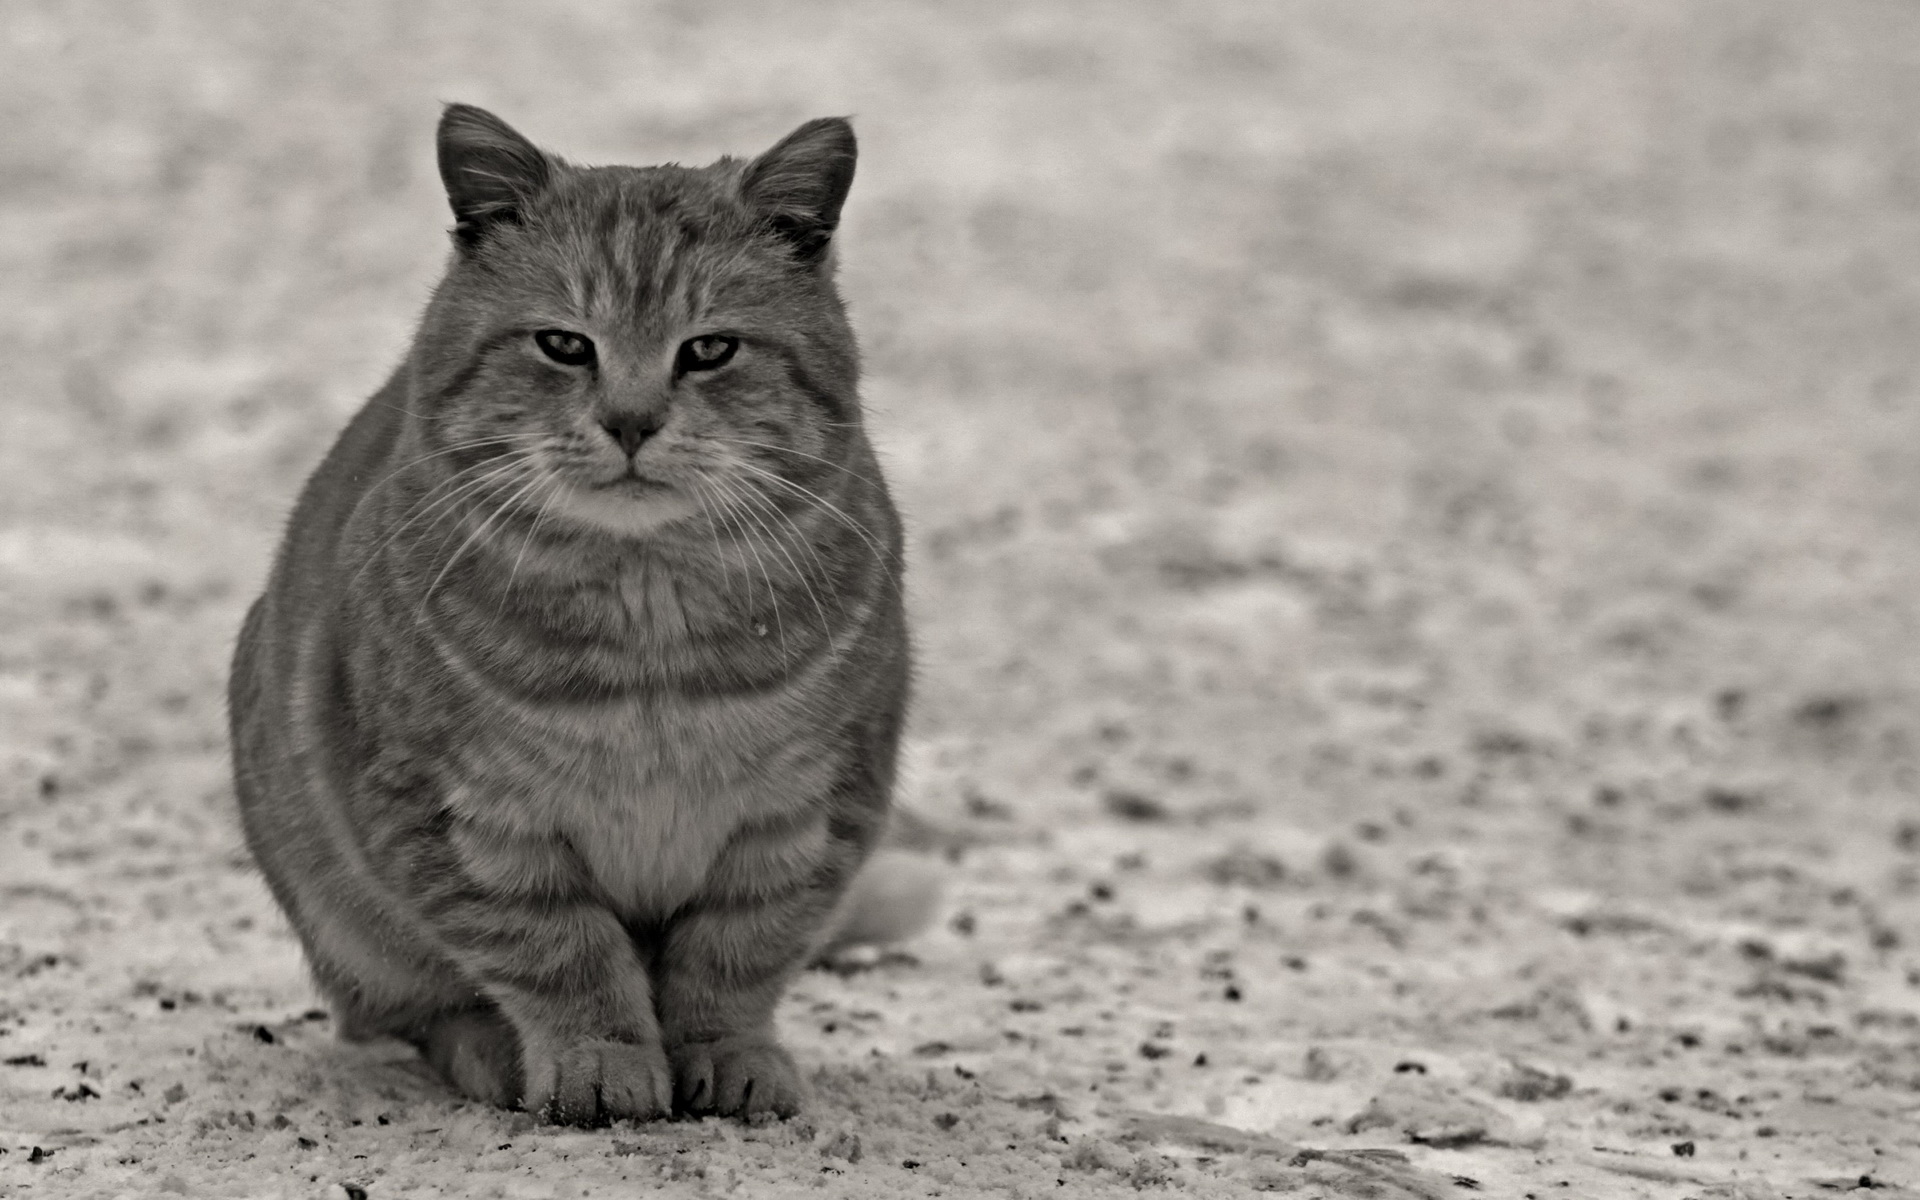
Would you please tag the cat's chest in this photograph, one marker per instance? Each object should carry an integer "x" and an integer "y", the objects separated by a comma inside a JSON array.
[
  {"x": 649, "y": 849},
  {"x": 648, "y": 798}
]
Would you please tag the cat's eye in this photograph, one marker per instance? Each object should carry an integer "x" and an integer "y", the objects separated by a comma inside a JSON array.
[
  {"x": 565, "y": 346},
  {"x": 705, "y": 353}
]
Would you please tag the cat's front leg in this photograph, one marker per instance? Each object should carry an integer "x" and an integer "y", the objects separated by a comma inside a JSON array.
[
  {"x": 722, "y": 963},
  {"x": 590, "y": 1048},
  {"x": 721, "y": 973},
  {"x": 563, "y": 972}
]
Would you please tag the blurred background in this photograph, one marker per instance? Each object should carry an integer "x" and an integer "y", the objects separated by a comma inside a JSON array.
[{"x": 1336, "y": 438}]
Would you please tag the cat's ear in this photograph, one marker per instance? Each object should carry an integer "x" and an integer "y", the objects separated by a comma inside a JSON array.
[
  {"x": 798, "y": 186},
  {"x": 490, "y": 171}
]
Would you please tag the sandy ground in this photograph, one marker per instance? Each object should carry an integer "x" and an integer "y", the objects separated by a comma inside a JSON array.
[{"x": 1416, "y": 518}]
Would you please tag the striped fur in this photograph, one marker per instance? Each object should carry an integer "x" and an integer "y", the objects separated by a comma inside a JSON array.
[{"x": 560, "y": 759}]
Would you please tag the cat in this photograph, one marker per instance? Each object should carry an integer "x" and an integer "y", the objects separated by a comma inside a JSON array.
[{"x": 572, "y": 704}]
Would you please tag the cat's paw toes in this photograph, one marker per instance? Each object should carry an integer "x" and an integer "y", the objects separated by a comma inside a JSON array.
[
  {"x": 736, "y": 1077},
  {"x": 600, "y": 1081}
]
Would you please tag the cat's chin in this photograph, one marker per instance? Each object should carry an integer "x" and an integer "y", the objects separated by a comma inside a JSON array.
[{"x": 630, "y": 512}]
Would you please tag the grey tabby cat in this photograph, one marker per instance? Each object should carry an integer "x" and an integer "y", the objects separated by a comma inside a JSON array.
[{"x": 570, "y": 710}]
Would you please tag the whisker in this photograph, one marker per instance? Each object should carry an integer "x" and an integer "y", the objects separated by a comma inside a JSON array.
[
  {"x": 745, "y": 543},
  {"x": 738, "y": 537},
  {"x": 705, "y": 499},
  {"x": 460, "y": 489},
  {"x": 499, "y": 511},
  {"x": 457, "y": 447},
  {"x": 826, "y": 626},
  {"x": 763, "y": 504},
  {"x": 533, "y": 531},
  {"x": 753, "y": 546},
  {"x": 806, "y": 542},
  {"x": 845, "y": 470},
  {"x": 830, "y": 506}
]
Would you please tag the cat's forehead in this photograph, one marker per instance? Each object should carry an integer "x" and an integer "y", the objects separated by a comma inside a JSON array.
[
  {"x": 644, "y": 236},
  {"x": 686, "y": 204}
]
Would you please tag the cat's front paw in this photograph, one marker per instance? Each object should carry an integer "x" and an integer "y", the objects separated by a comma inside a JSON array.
[
  {"x": 476, "y": 1052},
  {"x": 595, "y": 1082},
  {"x": 736, "y": 1077}
]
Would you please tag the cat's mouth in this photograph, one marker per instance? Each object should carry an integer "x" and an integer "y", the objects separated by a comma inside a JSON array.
[
  {"x": 628, "y": 504},
  {"x": 632, "y": 483}
]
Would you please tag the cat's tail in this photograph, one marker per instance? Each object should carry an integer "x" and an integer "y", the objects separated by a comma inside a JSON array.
[{"x": 896, "y": 895}]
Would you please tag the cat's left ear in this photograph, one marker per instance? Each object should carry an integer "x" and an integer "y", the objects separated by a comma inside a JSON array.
[
  {"x": 800, "y": 184},
  {"x": 490, "y": 171}
]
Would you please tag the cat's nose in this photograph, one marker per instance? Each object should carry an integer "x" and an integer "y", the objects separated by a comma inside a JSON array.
[{"x": 632, "y": 429}]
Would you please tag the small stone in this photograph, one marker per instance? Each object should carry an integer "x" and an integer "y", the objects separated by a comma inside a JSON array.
[
  {"x": 844, "y": 1145},
  {"x": 1133, "y": 806},
  {"x": 1318, "y": 1066},
  {"x": 1529, "y": 1084}
]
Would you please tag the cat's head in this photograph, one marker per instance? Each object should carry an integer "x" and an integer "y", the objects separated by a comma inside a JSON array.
[{"x": 626, "y": 348}]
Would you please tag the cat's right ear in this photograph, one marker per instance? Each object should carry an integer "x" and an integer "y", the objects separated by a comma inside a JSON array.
[{"x": 491, "y": 173}]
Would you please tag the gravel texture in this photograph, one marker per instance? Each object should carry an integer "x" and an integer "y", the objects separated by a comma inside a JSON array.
[{"x": 1416, "y": 552}]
